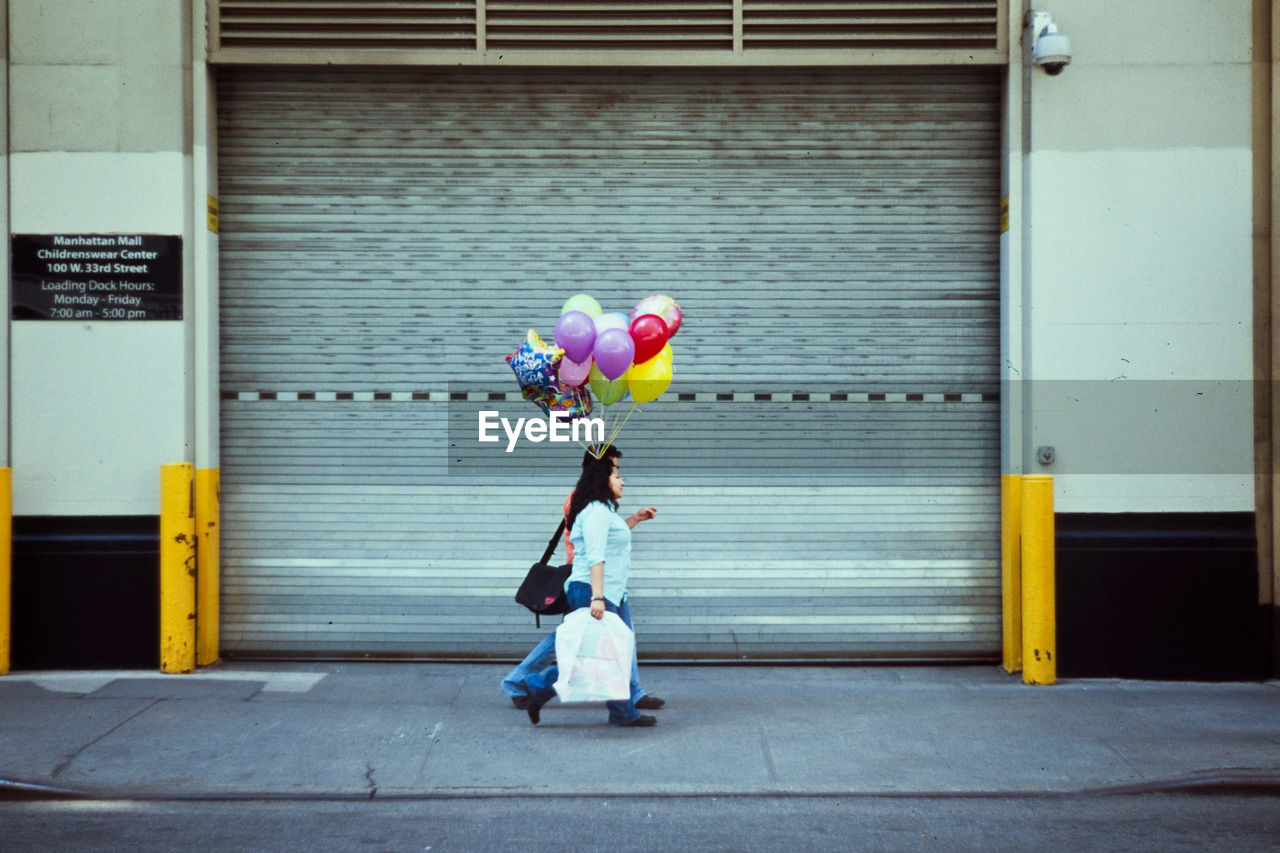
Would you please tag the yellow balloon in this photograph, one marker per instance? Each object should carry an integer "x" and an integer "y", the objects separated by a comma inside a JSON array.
[
  {"x": 666, "y": 353},
  {"x": 606, "y": 391},
  {"x": 649, "y": 379}
]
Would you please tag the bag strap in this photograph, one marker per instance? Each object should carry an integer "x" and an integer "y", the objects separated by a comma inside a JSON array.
[
  {"x": 546, "y": 555},
  {"x": 555, "y": 540}
]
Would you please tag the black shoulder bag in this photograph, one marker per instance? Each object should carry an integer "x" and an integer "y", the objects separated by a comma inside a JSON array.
[{"x": 543, "y": 587}]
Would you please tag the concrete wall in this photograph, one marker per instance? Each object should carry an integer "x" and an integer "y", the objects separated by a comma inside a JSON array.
[
  {"x": 100, "y": 142},
  {"x": 1134, "y": 305},
  {"x": 1138, "y": 291},
  {"x": 5, "y": 397}
]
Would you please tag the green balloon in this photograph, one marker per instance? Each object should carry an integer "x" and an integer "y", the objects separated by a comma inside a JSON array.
[
  {"x": 607, "y": 392},
  {"x": 584, "y": 303}
]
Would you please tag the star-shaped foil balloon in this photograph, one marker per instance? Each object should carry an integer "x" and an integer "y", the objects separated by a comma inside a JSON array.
[
  {"x": 535, "y": 363},
  {"x": 537, "y": 369}
]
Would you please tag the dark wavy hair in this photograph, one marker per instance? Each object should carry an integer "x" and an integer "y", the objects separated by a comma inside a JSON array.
[
  {"x": 593, "y": 485},
  {"x": 611, "y": 451}
]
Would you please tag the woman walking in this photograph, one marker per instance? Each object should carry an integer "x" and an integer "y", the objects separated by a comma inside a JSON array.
[
  {"x": 544, "y": 654},
  {"x": 601, "y": 563}
]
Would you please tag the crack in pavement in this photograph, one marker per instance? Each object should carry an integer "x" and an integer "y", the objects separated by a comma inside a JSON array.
[
  {"x": 434, "y": 737},
  {"x": 770, "y": 768},
  {"x": 57, "y": 771}
]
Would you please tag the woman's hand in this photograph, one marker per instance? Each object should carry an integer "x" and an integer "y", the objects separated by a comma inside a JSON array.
[
  {"x": 640, "y": 515},
  {"x": 597, "y": 589}
]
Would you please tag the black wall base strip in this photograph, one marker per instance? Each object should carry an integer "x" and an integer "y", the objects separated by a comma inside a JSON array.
[
  {"x": 86, "y": 592},
  {"x": 1160, "y": 596}
]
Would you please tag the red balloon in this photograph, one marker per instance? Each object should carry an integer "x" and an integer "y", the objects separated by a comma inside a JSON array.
[{"x": 650, "y": 334}]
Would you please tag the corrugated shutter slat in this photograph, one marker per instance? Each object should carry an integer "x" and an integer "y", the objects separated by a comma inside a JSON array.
[{"x": 826, "y": 461}]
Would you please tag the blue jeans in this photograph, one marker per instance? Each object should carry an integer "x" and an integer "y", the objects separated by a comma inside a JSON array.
[
  {"x": 539, "y": 684},
  {"x": 544, "y": 654}
]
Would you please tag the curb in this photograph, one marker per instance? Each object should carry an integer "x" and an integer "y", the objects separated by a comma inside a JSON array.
[
  {"x": 1249, "y": 783},
  {"x": 11, "y": 790}
]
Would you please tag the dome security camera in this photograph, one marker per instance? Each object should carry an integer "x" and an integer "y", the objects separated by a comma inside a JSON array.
[{"x": 1050, "y": 49}]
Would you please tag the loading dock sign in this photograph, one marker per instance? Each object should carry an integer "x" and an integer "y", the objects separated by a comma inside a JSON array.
[{"x": 96, "y": 277}]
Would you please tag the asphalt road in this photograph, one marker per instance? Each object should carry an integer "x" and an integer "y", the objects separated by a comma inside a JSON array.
[{"x": 1155, "y": 822}]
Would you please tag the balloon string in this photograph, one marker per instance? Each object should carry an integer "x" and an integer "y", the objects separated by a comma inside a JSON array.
[
  {"x": 635, "y": 407},
  {"x": 580, "y": 394},
  {"x": 617, "y": 427},
  {"x": 610, "y": 432}
]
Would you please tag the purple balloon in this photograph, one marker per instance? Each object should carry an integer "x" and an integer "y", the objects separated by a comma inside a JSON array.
[
  {"x": 613, "y": 352},
  {"x": 575, "y": 334}
]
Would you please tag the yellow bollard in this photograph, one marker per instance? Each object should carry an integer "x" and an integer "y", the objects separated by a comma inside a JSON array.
[
  {"x": 208, "y": 516},
  {"x": 1011, "y": 570},
  {"x": 177, "y": 569},
  {"x": 6, "y": 567},
  {"x": 1039, "y": 619}
]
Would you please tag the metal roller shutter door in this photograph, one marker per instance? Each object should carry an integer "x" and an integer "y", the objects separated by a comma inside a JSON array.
[{"x": 826, "y": 461}]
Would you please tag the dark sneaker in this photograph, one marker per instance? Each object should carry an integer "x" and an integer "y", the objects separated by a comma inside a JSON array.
[
  {"x": 642, "y": 720},
  {"x": 650, "y": 703},
  {"x": 521, "y": 702}
]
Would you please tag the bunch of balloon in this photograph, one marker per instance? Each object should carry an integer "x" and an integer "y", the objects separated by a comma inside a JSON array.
[{"x": 615, "y": 355}]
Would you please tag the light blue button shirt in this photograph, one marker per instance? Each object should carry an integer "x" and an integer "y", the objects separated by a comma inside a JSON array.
[{"x": 600, "y": 534}]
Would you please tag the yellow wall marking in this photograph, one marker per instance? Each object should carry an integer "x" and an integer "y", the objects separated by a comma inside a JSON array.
[
  {"x": 208, "y": 517},
  {"x": 6, "y": 566},
  {"x": 1011, "y": 570}
]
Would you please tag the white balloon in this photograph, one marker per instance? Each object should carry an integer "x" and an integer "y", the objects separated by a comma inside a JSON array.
[{"x": 612, "y": 321}]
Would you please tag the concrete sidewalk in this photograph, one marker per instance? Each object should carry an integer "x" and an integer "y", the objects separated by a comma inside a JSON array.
[{"x": 397, "y": 730}]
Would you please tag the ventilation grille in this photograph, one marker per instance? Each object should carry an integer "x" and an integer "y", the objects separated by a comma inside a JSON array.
[
  {"x": 804, "y": 24},
  {"x": 600, "y": 31},
  {"x": 661, "y": 25},
  {"x": 372, "y": 24}
]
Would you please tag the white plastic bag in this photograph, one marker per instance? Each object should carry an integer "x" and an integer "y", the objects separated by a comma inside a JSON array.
[{"x": 594, "y": 657}]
